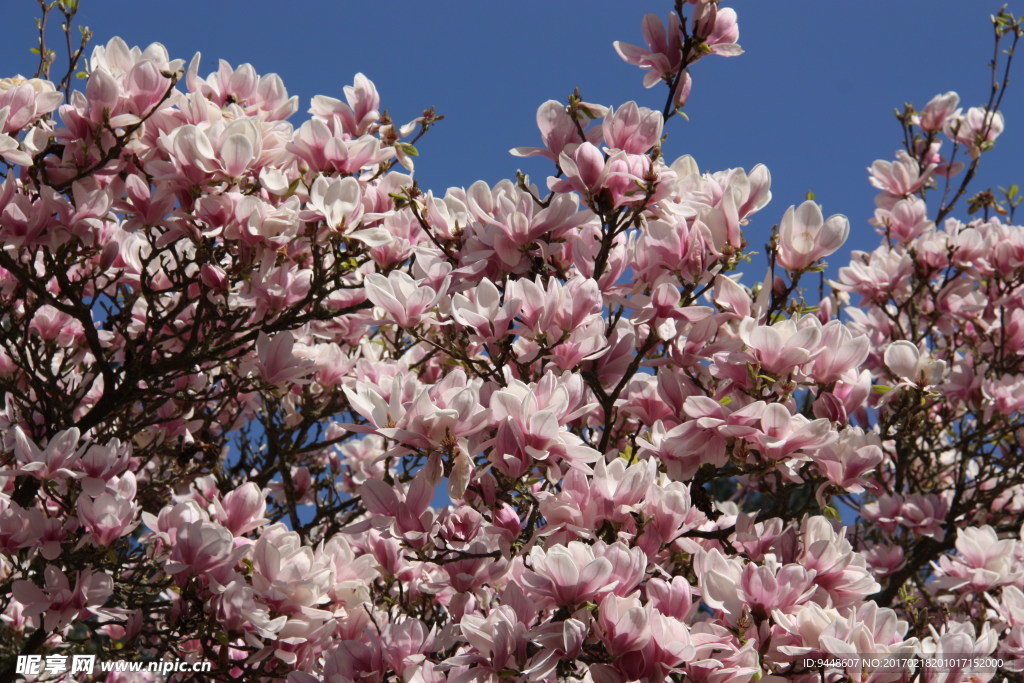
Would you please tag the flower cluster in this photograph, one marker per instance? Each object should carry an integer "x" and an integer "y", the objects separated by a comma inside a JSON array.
[{"x": 270, "y": 405}]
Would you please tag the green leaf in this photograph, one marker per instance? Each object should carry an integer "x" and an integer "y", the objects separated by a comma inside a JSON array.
[
  {"x": 881, "y": 389},
  {"x": 292, "y": 187},
  {"x": 810, "y": 195},
  {"x": 408, "y": 149}
]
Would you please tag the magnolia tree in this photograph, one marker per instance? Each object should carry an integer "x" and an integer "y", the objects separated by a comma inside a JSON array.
[{"x": 243, "y": 354}]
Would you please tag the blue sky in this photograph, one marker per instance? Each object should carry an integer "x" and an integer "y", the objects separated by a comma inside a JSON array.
[{"x": 812, "y": 98}]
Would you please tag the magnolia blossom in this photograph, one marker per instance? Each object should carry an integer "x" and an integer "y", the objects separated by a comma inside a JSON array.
[
  {"x": 915, "y": 369},
  {"x": 569, "y": 574},
  {"x": 664, "y": 50},
  {"x": 47, "y": 463},
  {"x": 58, "y": 602},
  {"x": 401, "y": 296},
  {"x": 938, "y": 110},
  {"x": 805, "y": 237},
  {"x": 902, "y": 177},
  {"x": 978, "y": 125}
]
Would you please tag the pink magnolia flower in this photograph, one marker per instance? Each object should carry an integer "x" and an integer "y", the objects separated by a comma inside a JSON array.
[
  {"x": 496, "y": 642},
  {"x": 805, "y": 237},
  {"x": 511, "y": 226},
  {"x": 876, "y": 276},
  {"x": 442, "y": 415},
  {"x": 260, "y": 222},
  {"x": 192, "y": 157},
  {"x": 672, "y": 598},
  {"x": 486, "y": 314},
  {"x": 558, "y": 132},
  {"x": 58, "y": 602},
  {"x": 337, "y": 200},
  {"x": 549, "y": 310},
  {"x": 982, "y": 562},
  {"x": 624, "y": 624},
  {"x": 275, "y": 362},
  {"x": 558, "y": 642},
  {"x": 407, "y": 512},
  {"x": 912, "y": 367},
  {"x": 675, "y": 247},
  {"x": 847, "y": 461},
  {"x": 1005, "y": 394},
  {"x": 924, "y": 514},
  {"x": 325, "y": 150},
  {"x": 25, "y": 528},
  {"x": 353, "y": 660},
  {"x": 718, "y": 28},
  {"x": 664, "y": 54},
  {"x": 261, "y": 96},
  {"x": 904, "y": 220},
  {"x": 9, "y": 146},
  {"x": 241, "y": 510},
  {"x": 938, "y": 110},
  {"x": 405, "y": 645},
  {"x": 288, "y": 575},
  {"x": 736, "y": 588},
  {"x": 628, "y": 565},
  {"x": 568, "y": 574},
  {"x": 782, "y": 347},
  {"x": 840, "y": 573},
  {"x": 56, "y": 326},
  {"x": 686, "y": 446},
  {"x": 959, "y": 644},
  {"x": 202, "y": 547},
  {"x": 99, "y": 463},
  {"x": 902, "y": 177},
  {"x": 108, "y": 516},
  {"x": 617, "y": 488},
  {"x": 274, "y": 289},
  {"x": 977, "y": 126},
  {"x": 868, "y": 629},
  {"x": 631, "y": 178},
  {"x": 632, "y": 129},
  {"x": 117, "y": 59},
  {"x": 883, "y": 512},
  {"x": 171, "y": 519},
  {"x": 239, "y": 145},
  {"x": 720, "y": 216},
  {"x": 529, "y": 428},
  {"x": 53, "y": 462},
  {"x": 239, "y": 608},
  {"x": 403, "y": 298},
  {"x": 719, "y": 657},
  {"x": 884, "y": 560},
  {"x": 25, "y": 101},
  {"x": 780, "y": 433},
  {"x": 671, "y": 514},
  {"x": 797, "y": 631},
  {"x": 355, "y": 116},
  {"x": 842, "y": 352},
  {"x": 586, "y": 171}
]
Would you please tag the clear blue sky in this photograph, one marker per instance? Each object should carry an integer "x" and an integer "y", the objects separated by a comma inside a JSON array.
[{"x": 812, "y": 98}]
